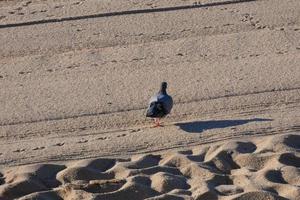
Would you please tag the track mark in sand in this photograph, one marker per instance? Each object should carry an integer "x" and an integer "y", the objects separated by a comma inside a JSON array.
[
  {"x": 254, "y": 55},
  {"x": 207, "y": 27},
  {"x": 83, "y": 141},
  {"x": 296, "y": 128},
  {"x": 73, "y": 66},
  {"x": 59, "y": 144},
  {"x": 38, "y": 148},
  {"x": 125, "y": 12},
  {"x": 27, "y": 3},
  {"x": 135, "y": 130},
  {"x": 18, "y": 8},
  {"x": 22, "y": 73},
  {"x": 143, "y": 108},
  {"x": 185, "y": 30},
  {"x": 103, "y": 138},
  {"x": 19, "y": 150},
  {"x": 122, "y": 135},
  {"x": 58, "y": 6},
  {"x": 77, "y": 3},
  {"x": 228, "y": 24},
  {"x": 82, "y": 128},
  {"x": 94, "y": 65}
]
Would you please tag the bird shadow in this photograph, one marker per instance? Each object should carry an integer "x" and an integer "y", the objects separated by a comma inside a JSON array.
[{"x": 200, "y": 126}]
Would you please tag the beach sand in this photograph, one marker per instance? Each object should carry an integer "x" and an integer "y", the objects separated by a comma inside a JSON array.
[
  {"x": 260, "y": 168},
  {"x": 76, "y": 77}
]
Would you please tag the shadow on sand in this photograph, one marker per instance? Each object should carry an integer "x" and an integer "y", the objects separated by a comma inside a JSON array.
[{"x": 200, "y": 126}]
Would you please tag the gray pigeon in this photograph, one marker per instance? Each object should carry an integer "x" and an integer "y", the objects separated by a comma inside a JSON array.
[{"x": 160, "y": 104}]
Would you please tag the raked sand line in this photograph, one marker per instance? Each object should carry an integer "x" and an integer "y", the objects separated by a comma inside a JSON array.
[{"x": 260, "y": 168}]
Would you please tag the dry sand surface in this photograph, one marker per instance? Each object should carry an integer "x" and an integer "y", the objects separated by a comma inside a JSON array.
[
  {"x": 260, "y": 168},
  {"x": 76, "y": 76}
]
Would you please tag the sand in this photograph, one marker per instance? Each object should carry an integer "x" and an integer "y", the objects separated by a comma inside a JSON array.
[
  {"x": 257, "y": 168},
  {"x": 76, "y": 77}
]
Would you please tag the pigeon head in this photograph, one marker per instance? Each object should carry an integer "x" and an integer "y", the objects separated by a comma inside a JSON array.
[{"x": 163, "y": 87}]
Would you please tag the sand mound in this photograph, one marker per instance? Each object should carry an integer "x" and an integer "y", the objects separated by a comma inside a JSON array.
[
  {"x": 165, "y": 182},
  {"x": 234, "y": 170},
  {"x": 20, "y": 181},
  {"x": 280, "y": 143},
  {"x": 259, "y": 196}
]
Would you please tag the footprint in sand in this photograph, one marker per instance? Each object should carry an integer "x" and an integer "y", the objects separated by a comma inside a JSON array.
[
  {"x": 19, "y": 150},
  {"x": 135, "y": 130},
  {"x": 102, "y": 138},
  {"x": 19, "y": 8},
  {"x": 228, "y": 24},
  {"x": 27, "y": 3},
  {"x": 122, "y": 135},
  {"x": 82, "y": 128},
  {"x": 82, "y": 141},
  {"x": 94, "y": 65},
  {"x": 59, "y": 144},
  {"x": 28, "y": 72},
  {"x": 73, "y": 66},
  {"x": 38, "y": 148},
  {"x": 254, "y": 55},
  {"x": 77, "y": 3},
  {"x": 58, "y": 6}
]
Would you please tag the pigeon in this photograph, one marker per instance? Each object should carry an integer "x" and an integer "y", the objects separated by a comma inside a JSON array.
[{"x": 160, "y": 105}]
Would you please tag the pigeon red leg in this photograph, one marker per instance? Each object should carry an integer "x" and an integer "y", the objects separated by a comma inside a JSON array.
[{"x": 157, "y": 122}]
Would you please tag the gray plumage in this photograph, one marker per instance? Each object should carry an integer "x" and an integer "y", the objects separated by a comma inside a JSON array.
[{"x": 160, "y": 104}]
